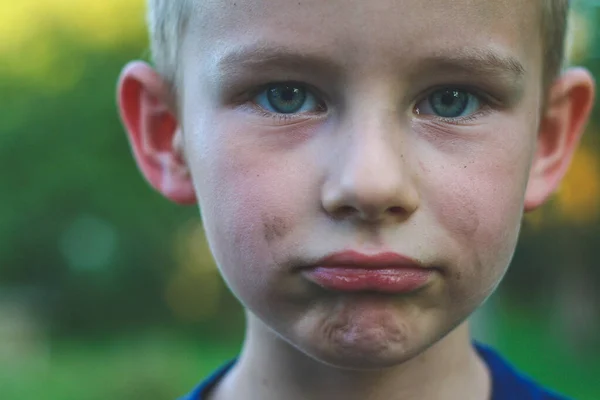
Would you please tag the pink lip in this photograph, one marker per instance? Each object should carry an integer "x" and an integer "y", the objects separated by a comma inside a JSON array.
[{"x": 350, "y": 271}]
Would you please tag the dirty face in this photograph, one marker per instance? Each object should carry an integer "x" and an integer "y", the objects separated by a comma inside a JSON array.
[{"x": 313, "y": 127}]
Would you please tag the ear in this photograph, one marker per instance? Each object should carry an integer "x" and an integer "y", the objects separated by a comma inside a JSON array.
[
  {"x": 146, "y": 108},
  {"x": 564, "y": 119}
]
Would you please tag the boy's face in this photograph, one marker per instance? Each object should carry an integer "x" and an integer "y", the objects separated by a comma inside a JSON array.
[{"x": 313, "y": 127}]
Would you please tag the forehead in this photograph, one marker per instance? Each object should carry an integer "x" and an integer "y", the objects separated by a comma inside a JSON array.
[{"x": 369, "y": 33}]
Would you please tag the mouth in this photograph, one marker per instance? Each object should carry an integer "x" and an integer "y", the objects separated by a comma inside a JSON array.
[{"x": 351, "y": 271}]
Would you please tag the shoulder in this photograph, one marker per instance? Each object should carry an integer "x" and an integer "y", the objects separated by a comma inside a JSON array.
[
  {"x": 507, "y": 382},
  {"x": 510, "y": 384},
  {"x": 202, "y": 390}
]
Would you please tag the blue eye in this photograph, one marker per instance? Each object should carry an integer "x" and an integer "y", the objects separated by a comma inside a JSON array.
[
  {"x": 287, "y": 98},
  {"x": 449, "y": 103}
]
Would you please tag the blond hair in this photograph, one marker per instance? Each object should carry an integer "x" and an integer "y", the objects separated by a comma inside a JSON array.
[
  {"x": 168, "y": 19},
  {"x": 167, "y": 22},
  {"x": 554, "y": 32}
]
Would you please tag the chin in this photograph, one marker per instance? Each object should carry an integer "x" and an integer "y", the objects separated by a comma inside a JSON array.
[
  {"x": 365, "y": 343},
  {"x": 364, "y": 356}
]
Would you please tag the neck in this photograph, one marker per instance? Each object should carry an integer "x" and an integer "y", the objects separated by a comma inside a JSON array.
[{"x": 269, "y": 368}]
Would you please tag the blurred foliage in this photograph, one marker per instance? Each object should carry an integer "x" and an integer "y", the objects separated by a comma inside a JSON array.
[
  {"x": 91, "y": 252},
  {"x": 80, "y": 228}
]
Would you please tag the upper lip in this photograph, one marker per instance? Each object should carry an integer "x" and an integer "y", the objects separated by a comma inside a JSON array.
[{"x": 355, "y": 259}]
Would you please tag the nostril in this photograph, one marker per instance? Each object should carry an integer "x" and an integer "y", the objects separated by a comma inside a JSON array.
[
  {"x": 345, "y": 211},
  {"x": 396, "y": 210}
]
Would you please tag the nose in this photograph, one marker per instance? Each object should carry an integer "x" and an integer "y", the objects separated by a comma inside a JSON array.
[{"x": 371, "y": 178}]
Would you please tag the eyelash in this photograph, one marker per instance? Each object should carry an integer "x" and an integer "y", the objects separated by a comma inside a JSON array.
[
  {"x": 487, "y": 104},
  {"x": 486, "y": 109},
  {"x": 281, "y": 117},
  {"x": 485, "y": 100}
]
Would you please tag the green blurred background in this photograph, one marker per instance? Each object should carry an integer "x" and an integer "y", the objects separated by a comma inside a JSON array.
[{"x": 107, "y": 291}]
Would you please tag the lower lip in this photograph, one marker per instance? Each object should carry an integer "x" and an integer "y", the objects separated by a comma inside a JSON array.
[{"x": 388, "y": 280}]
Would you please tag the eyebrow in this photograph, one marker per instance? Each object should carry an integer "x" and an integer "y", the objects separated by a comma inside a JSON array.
[
  {"x": 264, "y": 58},
  {"x": 480, "y": 61}
]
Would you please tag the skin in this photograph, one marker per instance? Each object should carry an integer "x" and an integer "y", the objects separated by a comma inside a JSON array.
[{"x": 373, "y": 171}]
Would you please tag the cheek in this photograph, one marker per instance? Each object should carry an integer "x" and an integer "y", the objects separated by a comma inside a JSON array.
[
  {"x": 478, "y": 203},
  {"x": 241, "y": 233},
  {"x": 250, "y": 201},
  {"x": 243, "y": 220}
]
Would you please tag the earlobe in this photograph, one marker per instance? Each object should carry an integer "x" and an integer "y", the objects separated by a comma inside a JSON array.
[
  {"x": 144, "y": 102},
  {"x": 561, "y": 127}
]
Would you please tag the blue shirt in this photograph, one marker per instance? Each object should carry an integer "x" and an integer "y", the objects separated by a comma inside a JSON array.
[{"x": 507, "y": 383}]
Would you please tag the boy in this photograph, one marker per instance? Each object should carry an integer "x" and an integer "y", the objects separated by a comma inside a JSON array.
[{"x": 362, "y": 168}]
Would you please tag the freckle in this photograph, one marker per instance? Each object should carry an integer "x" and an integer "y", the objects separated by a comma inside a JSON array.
[{"x": 458, "y": 275}]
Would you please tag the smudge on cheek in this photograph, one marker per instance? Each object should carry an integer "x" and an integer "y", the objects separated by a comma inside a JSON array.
[
  {"x": 274, "y": 227},
  {"x": 253, "y": 221}
]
